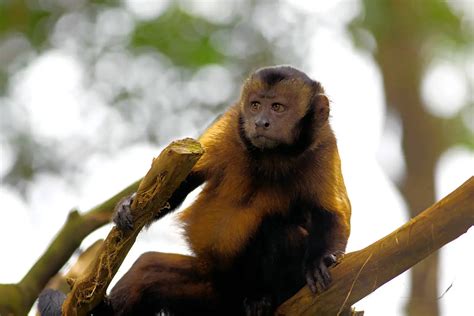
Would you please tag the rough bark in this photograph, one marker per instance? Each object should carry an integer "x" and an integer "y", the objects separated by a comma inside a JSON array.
[
  {"x": 17, "y": 299},
  {"x": 166, "y": 174},
  {"x": 359, "y": 274},
  {"x": 61, "y": 281},
  {"x": 362, "y": 272}
]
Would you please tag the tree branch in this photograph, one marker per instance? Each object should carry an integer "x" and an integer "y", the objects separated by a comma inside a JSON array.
[
  {"x": 362, "y": 272},
  {"x": 18, "y": 298},
  {"x": 166, "y": 174},
  {"x": 359, "y": 274}
]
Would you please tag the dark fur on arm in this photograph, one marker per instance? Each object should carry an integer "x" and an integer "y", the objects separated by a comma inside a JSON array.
[
  {"x": 193, "y": 180},
  {"x": 123, "y": 217},
  {"x": 322, "y": 251}
]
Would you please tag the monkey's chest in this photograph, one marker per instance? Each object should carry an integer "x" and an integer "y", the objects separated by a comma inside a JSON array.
[{"x": 221, "y": 228}]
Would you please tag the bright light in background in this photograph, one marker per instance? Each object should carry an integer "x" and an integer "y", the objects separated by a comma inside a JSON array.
[
  {"x": 390, "y": 152},
  {"x": 266, "y": 22},
  {"x": 146, "y": 9},
  {"x": 113, "y": 25},
  {"x": 212, "y": 10},
  {"x": 454, "y": 167},
  {"x": 7, "y": 156},
  {"x": 465, "y": 10},
  {"x": 353, "y": 84},
  {"x": 334, "y": 13},
  {"x": 48, "y": 89},
  {"x": 444, "y": 89},
  {"x": 14, "y": 264},
  {"x": 203, "y": 85},
  {"x": 319, "y": 7}
]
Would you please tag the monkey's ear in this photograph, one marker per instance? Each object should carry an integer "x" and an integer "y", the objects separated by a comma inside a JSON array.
[{"x": 322, "y": 107}]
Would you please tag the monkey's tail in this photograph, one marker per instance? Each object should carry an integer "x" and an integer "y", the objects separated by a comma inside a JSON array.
[{"x": 50, "y": 302}]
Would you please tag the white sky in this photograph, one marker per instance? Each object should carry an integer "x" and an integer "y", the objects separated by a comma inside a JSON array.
[{"x": 353, "y": 84}]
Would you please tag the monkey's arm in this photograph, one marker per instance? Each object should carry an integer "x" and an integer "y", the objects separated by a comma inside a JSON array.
[
  {"x": 326, "y": 246},
  {"x": 192, "y": 181},
  {"x": 123, "y": 217}
]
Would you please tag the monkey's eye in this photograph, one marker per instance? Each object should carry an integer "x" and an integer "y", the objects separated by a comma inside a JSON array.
[
  {"x": 277, "y": 107},
  {"x": 254, "y": 106}
]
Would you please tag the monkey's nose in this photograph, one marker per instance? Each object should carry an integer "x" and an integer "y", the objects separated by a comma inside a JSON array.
[{"x": 262, "y": 122}]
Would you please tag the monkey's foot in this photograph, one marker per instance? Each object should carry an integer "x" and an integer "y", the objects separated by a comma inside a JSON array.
[
  {"x": 123, "y": 216},
  {"x": 258, "y": 307},
  {"x": 317, "y": 271}
]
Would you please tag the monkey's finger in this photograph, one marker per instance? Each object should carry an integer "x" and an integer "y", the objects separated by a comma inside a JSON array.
[
  {"x": 325, "y": 274},
  {"x": 251, "y": 307},
  {"x": 247, "y": 309},
  {"x": 322, "y": 277},
  {"x": 311, "y": 281},
  {"x": 267, "y": 306},
  {"x": 320, "y": 286}
]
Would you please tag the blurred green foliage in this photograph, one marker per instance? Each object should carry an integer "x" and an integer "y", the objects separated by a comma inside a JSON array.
[
  {"x": 433, "y": 18},
  {"x": 31, "y": 21},
  {"x": 406, "y": 38},
  {"x": 428, "y": 29},
  {"x": 184, "y": 38},
  {"x": 187, "y": 40}
]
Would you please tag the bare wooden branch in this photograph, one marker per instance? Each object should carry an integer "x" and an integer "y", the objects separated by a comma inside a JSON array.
[
  {"x": 359, "y": 274},
  {"x": 60, "y": 280},
  {"x": 17, "y": 299},
  {"x": 362, "y": 272},
  {"x": 166, "y": 174}
]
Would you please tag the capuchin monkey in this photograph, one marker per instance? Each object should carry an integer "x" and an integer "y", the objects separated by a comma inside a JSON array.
[{"x": 273, "y": 214}]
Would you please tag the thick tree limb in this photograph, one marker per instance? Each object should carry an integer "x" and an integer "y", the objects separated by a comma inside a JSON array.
[
  {"x": 362, "y": 272},
  {"x": 60, "y": 280},
  {"x": 358, "y": 275},
  {"x": 166, "y": 174},
  {"x": 17, "y": 299}
]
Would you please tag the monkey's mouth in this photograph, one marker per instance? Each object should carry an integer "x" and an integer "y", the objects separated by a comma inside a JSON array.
[{"x": 263, "y": 141}]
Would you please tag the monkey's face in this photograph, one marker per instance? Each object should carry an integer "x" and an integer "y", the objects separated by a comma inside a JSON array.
[
  {"x": 282, "y": 111},
  {"x": 270, "y": 117}
]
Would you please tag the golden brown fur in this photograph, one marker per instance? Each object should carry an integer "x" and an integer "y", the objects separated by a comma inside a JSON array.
[
  {"x": 272, "y": 215},
  {"x": 218, "y": 222}
]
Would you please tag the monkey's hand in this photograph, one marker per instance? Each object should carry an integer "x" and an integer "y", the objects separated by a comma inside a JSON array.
[
  {"x": 317, "y": 270},
  {"x": 123, "y": 217},
  {"x": 258, "y": 307},
  {"x": 50, "y": 302}
]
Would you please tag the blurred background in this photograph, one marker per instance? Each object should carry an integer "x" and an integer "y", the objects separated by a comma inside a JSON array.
[{"x": 90, "y": 91}]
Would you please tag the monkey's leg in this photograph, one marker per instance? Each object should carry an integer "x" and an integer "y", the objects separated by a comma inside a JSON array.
[{"x": 161, "y": 282}]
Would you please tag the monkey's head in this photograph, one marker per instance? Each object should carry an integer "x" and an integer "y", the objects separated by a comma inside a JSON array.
[{"x": 281, "y": 110}]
